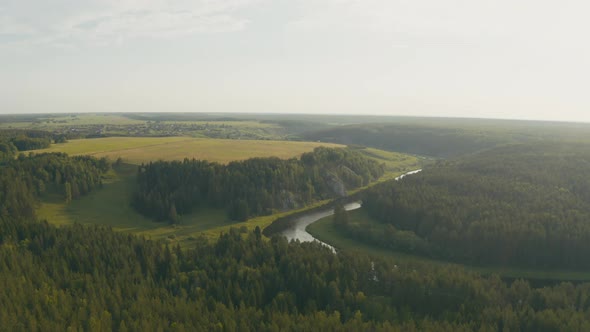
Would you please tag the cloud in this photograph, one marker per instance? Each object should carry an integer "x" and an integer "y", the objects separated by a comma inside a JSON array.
[{"x": 66, "y": 22}]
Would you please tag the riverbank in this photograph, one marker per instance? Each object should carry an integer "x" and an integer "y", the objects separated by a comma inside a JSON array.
[
  {"x": 288, "y": 221},
  {"x": 298, "y": 230}
]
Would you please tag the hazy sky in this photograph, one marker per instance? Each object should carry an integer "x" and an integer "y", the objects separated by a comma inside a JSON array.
[{"x": 473, "y": 58}]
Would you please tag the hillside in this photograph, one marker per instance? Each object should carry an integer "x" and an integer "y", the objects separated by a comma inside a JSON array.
[
  {"x": 520, "y": 205},
  {"x": 88, "y": 277},
  {"x": 446, "y": 138},
  {"x": 91, "y": 278}
]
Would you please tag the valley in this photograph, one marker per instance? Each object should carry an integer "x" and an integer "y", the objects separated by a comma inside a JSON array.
[{"x": 494, "y": 222}]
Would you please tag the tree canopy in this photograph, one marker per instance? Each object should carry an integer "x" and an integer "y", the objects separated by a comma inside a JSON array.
[
  {"x": 522, "y": 205},
  {"x": 256, "y": 186},
  {"x": 78, "y": 278}
]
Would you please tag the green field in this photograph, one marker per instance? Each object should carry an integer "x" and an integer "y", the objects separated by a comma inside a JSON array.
[
  {"x": 325, "y": 231},
  {"x": 110, "y": 204},
  {"x": 137, "y": 150},
  {"x": 395, "y": 163}
]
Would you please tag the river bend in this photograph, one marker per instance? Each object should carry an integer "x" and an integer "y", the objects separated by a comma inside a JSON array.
[{"x": 298, "y": 230}]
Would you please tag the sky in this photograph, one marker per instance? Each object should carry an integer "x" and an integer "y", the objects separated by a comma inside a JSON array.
[{"x": 519, "y": 59}]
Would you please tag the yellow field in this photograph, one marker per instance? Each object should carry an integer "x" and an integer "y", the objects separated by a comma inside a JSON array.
[{"x": 137, "y": 150}]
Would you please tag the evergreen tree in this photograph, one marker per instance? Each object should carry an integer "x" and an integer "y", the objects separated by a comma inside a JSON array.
[
  {"x": 172, "y": 215},
  {"x": 340, "y": 215},
  {"x": 68, "y": 192}
]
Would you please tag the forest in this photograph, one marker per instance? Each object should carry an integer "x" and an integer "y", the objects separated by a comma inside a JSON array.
[
  {"x": 25, "y": 140},
  {"x": 446, "y": 138},
  {"x": 518, "y": 205},
  {"x": 25, "y": 179},
  {"x": 257, "y": 186},
  {"x": 90, "y": 278},
  {"x": 524, "y": 204}
]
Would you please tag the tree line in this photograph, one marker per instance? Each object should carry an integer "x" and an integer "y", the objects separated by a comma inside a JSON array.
[
  {"x": 257, "y": 186},
  {"x": 522, "y": 205},
  {"x": 24, "y": 179},
  {"x": 24, "y": 140},
  {"x": 79, "y": 278},
  {"x": 445, "y": 138}
]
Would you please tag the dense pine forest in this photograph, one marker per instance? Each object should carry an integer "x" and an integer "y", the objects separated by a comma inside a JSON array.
[
  {"x": 90, "y": 278},
  {"x": 444, "y": 138},
  {"x": 520, "y": 205},
  {"x": 257, "y": 186}
]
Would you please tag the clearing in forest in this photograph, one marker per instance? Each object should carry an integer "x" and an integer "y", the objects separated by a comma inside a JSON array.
[{"x": 137, "y": 150}]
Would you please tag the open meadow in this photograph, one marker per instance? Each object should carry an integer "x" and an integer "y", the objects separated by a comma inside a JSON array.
[{"x": 137, "y": 150}]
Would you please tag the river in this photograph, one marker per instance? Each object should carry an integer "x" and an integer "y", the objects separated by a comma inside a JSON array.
[{"x": 298, "y": 230}]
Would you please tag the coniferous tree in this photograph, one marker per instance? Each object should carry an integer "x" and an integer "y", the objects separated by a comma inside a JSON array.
[
  {"x": 340, "y": 215},
  {"x": 253, "y": 187},
  {"x": 68, "y": 192}
]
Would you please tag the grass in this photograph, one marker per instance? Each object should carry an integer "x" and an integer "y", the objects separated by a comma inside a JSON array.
[
  {"x": 137, "y": 150},
  {"x": 97, "y": 146},
  {"x": 395, "y": 162},
  {"x": 325, "y": 231},
  {"x": 109, "y": 206}
]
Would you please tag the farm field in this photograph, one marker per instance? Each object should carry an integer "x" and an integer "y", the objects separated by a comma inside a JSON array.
[
  {"x": 325, "y": 231},
  {"x": 137, "y": 150}
]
